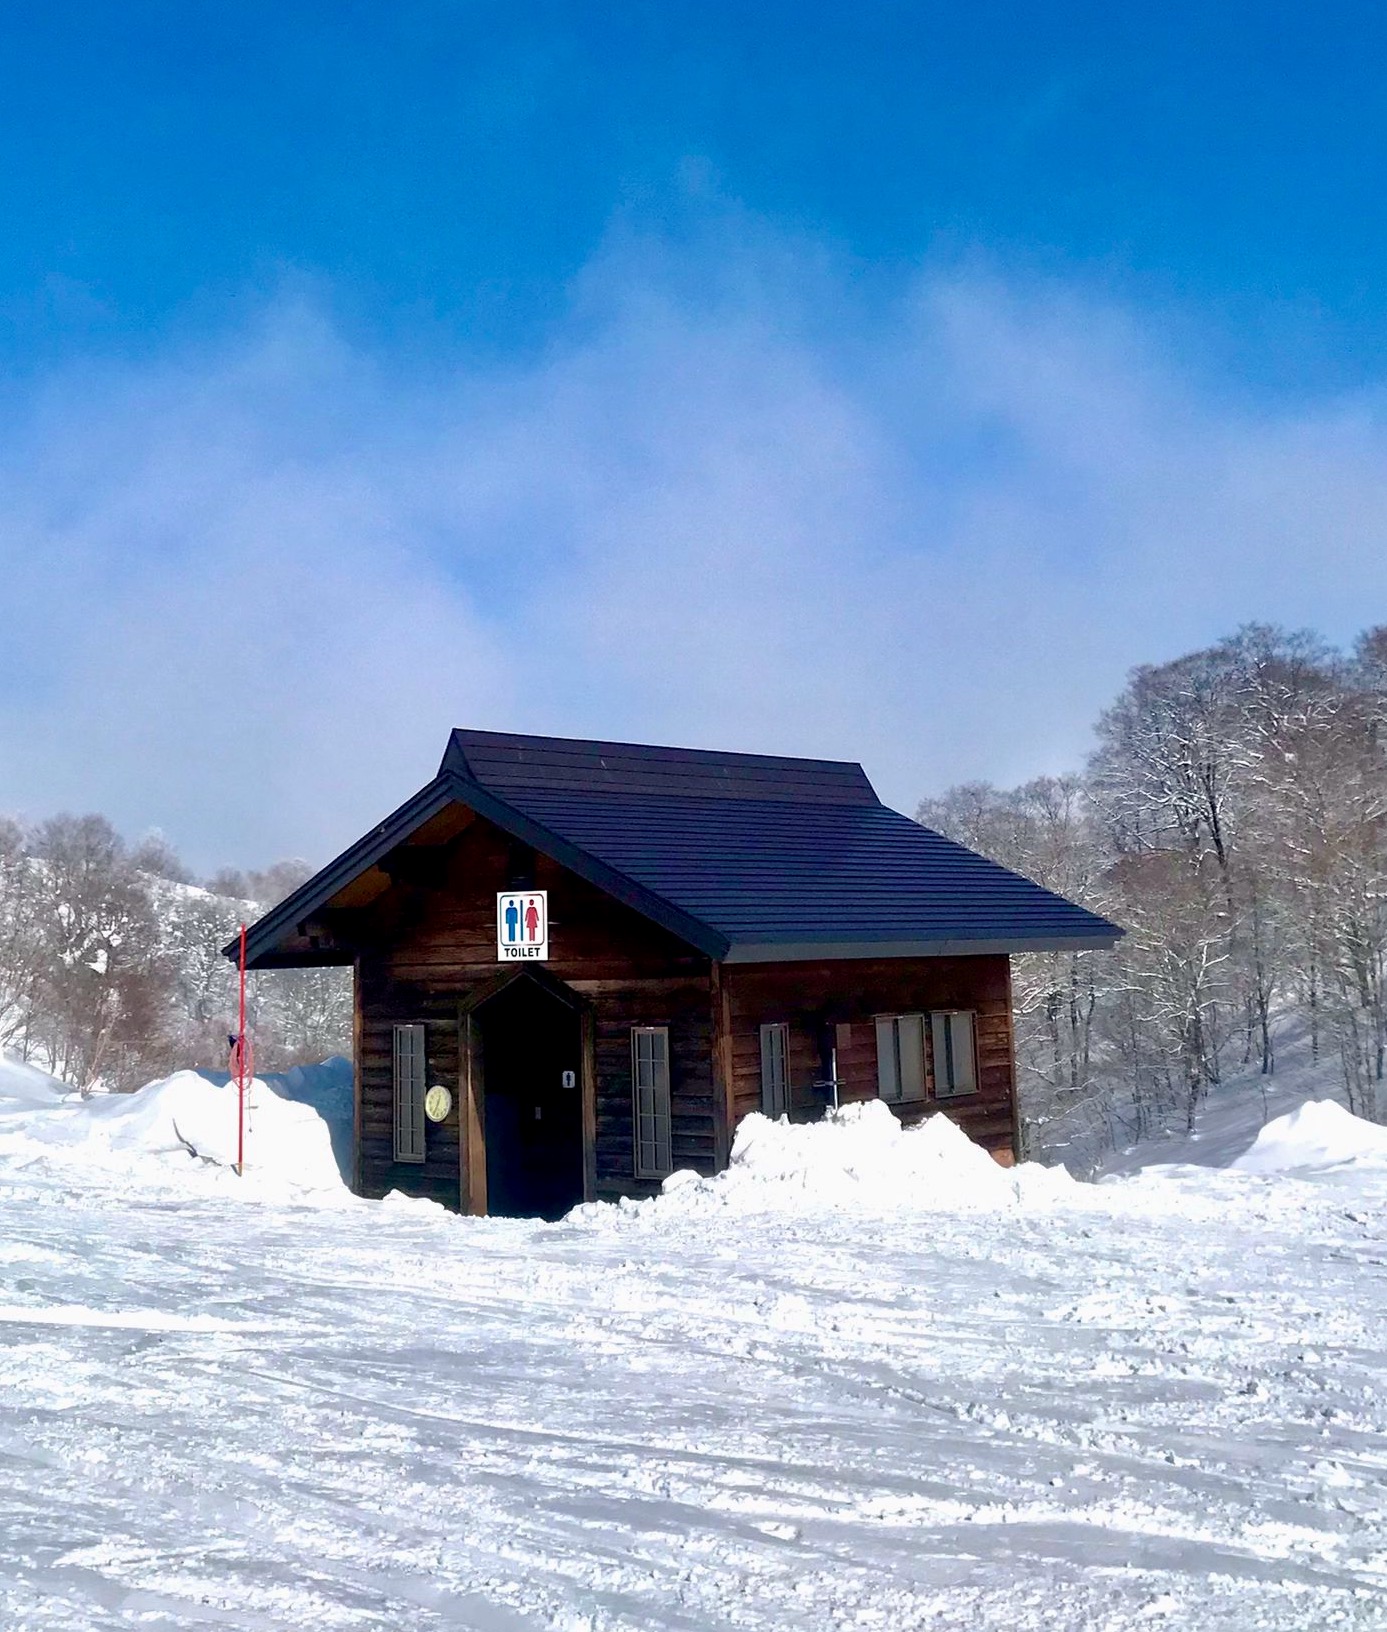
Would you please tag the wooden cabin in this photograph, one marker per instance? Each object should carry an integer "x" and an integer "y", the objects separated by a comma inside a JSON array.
[{"x": 578, "y": 965}]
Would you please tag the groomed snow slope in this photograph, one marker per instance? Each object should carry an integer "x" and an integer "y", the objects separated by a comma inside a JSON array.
[{"x": 866, "y": 1380}]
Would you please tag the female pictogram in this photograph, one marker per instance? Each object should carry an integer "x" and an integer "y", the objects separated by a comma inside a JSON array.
[{"x": 522, "y": 925}]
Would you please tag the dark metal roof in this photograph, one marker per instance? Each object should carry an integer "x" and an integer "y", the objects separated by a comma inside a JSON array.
[
  {"x": 511, "y": 764},
  {"x": 746, "y": 856}
]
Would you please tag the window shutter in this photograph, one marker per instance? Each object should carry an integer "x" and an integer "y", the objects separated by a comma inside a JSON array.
[
  {"x": 409, "y": 1069},
  {"x": 651, "y": 1101},
  {"x": 963, "y": 1052},
  {"x": 775, "y": 1072},
  {"x": 939, "y": 1045},
  {"x": 910, "y": 1047},
  {"x": 888, "y": 1066},
  {"x": 955, "y": 1059}
]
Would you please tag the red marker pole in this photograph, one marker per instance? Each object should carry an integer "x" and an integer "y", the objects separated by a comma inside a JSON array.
[{"x": 241, "y": 1063}]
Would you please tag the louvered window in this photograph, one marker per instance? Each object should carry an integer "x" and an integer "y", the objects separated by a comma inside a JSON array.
[
  {"x": 901, "y": 1057},
  {"x": 775, "y": 1070},
  {"x": 955, "y": 1053},
  {"x": 409, "y": 1073},
  {"x": 650, "y": 1088}
]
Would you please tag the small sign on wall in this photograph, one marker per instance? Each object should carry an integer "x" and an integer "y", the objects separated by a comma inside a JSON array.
[{"x": 522, "y": 925}]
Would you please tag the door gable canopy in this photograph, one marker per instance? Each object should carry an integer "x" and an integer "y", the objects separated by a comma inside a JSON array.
[{"x": 549, "y": 984}]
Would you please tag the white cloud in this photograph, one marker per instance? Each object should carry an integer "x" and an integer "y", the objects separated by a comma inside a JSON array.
[{"x": 248, "y": 587}]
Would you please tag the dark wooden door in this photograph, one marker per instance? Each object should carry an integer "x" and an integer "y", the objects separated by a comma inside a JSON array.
[{"x": 532, "y": 1052}]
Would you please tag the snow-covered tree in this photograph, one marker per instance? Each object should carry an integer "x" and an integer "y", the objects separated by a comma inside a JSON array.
[{"x": 1234, "y": 819}]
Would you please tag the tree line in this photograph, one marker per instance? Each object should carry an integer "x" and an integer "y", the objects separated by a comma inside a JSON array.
[
  {"x": 1233, "y": 819},
  {"x": 111, "y": 970}
]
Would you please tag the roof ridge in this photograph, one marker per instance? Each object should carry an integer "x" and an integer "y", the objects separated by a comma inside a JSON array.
[
  {"x": 478, "y": 737},
  {"x": 509, "y": 762}
]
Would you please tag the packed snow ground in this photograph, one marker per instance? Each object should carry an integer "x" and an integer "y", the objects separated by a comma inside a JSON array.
[{"x": 865, "y": 1380}]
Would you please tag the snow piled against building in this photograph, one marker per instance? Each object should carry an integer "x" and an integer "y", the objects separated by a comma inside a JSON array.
[
  {"x": 178, "y": 1134},
  {"x": 860, "y": 1159}
]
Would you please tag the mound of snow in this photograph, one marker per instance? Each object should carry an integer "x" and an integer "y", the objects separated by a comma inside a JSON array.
[
  {"x": 180, "y": 1127},
  {"x": 859, "y": 1157},
  {"x": 328, "y": 1088},
  {"x": 1318, "y": 1134},
  {"x": 27, "y": 1085}
]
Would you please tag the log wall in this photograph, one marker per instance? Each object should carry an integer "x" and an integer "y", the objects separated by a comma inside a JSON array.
[
  {"x": 836, "y": 1004},
  {"x": 422, "y": 949}
]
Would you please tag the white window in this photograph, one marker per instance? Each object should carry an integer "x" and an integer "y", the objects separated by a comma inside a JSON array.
[
  {"x": 775, "y": 1070},
  {"x": 901, "y": 1057},
  {"x": 955, "y": 1053},
  {"x": 409, "y": 1072},
  {"x": 650, "y": 1092}
]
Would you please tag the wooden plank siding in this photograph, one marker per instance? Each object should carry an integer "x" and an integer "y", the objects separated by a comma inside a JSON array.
[
  {"x": 836, "y": 1003},
  {"x": 422, "y": 949},
  {"x": 437, "y": 1176},
  {"x": 681, "y": 1003}
]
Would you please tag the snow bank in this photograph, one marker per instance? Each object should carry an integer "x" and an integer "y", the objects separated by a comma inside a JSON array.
[
  {"x": 328, "y": 1088},
  {"x": 182, "y": 1128},
  {"x": 1319, "y": 1134},
  {"x": 859, "y": 1158},
  {"x": 27, "y": 1085}
]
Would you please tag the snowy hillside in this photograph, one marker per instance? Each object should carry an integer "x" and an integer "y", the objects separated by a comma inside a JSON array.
[
  {"x": 864, "y": 1380},
  {"x": 111, "y": 968},
  {"x": 1235, "y": 1111}
]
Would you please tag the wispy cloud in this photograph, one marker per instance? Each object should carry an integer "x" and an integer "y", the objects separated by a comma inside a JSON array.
[{"x": 248, "y": 586}]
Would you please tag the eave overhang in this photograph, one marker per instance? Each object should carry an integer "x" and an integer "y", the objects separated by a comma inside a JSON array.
[
  {"x": 263, "y": 948},
  {"x": 807, "y": 951}
]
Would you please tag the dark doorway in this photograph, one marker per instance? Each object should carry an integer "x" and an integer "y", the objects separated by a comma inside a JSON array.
[{"x": 533, "y": 1115}]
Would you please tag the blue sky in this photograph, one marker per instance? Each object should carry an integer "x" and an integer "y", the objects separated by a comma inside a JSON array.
[
  {"x": 448, "y": 168},
  {"x": 878, "y": 381}
]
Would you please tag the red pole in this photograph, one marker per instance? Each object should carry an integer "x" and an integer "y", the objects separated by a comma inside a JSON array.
[{"x": 241, "y": 1064}]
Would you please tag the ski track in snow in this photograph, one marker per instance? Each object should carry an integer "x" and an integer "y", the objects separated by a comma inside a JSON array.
[{"x": 1152, "y": 1402}]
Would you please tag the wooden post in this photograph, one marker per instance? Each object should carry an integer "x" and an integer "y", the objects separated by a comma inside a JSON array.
[
  {"x": 1016, "y": 1141},
  {"x": 358, "y": 1092},
  {"x": 723, "y": 1105},
  {"x": 588, "y": 1079},
  {"x": 242, "y": 1060},
  {"x": 471, "y": 1119}
]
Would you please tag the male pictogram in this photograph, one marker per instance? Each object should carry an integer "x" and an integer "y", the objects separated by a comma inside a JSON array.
[{"x": 522, "y": 925}]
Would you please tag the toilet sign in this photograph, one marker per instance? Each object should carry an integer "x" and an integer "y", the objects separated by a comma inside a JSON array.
[{"x": 522, "y": 925}]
